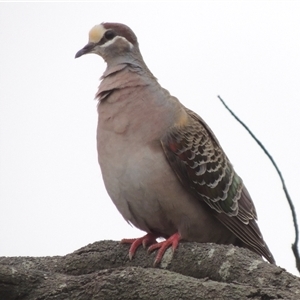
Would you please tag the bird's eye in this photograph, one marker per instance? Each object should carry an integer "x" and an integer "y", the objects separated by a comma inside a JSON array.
[{"x": 109, "y": 35}]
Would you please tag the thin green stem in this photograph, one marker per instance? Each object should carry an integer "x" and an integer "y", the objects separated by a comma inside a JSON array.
[{"x": 294, "y": 245}]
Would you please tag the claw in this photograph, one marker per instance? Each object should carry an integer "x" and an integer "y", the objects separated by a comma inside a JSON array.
[
  {"x": 173, "y": 241},
  {"x": 150, "y": 239},
  {"x": 146, "y": 240}
]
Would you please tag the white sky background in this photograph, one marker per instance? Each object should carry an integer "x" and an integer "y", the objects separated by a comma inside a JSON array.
[{"x": 52, "y": 198}]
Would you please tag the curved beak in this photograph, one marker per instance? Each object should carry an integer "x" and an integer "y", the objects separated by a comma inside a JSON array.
[{"x": 85, "y": 50}]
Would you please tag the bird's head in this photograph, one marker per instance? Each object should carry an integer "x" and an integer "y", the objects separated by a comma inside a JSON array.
[{"x": 112, "y": 41}]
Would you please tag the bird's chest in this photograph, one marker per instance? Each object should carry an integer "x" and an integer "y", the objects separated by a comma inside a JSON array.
[
  {"x": 113, "y": 116},
  {"x": 127, "y": 154},
  {"x": 127, "y": 123},
  {"x": 132, "y": 173},
  {"x": 132, "y": 163},
  {"x": 122, "y": 136}
]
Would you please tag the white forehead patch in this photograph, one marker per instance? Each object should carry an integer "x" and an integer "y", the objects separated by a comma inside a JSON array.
[{"x": 96, "y": 33}]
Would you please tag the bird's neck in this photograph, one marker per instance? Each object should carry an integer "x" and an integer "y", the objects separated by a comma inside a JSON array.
[{"x": 123, "y": 75}]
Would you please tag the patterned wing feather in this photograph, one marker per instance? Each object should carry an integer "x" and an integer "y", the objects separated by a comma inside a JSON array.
[{"x": 201, "y": 165}]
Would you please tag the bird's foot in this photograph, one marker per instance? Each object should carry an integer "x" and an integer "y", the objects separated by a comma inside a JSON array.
[
  {"x": 173, "y": 241},
  {"x": 146, "y": 240}
]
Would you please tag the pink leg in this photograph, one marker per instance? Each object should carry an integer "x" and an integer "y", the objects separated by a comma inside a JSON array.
[
  {"x": 146, "y": 240},
  {"x": 173, "y": 241}
]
